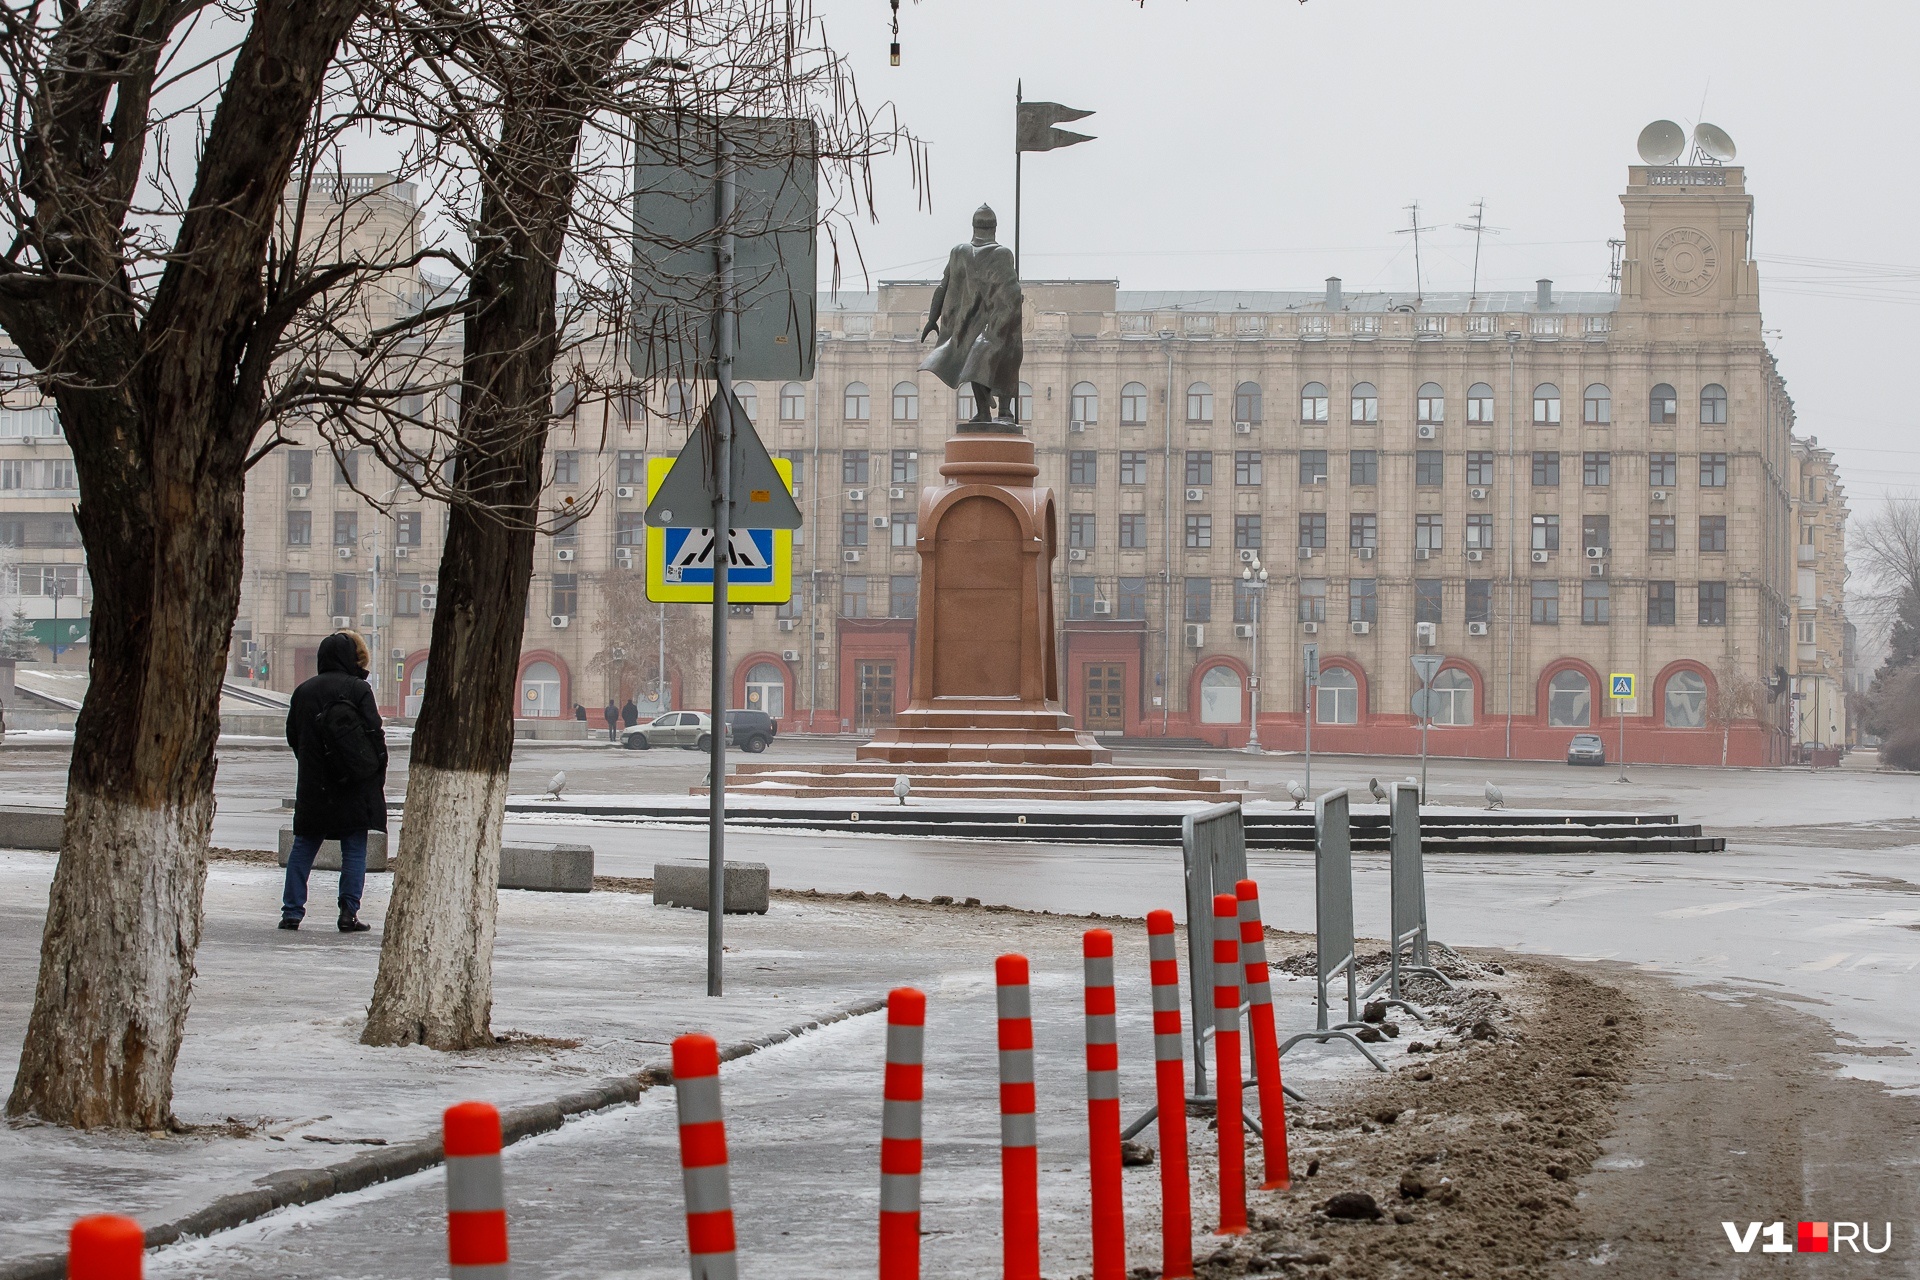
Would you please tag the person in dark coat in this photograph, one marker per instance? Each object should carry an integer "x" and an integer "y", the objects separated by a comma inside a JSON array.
[
  {"x": 630, "y": 713},
  {"x": 323, "y": 807},
  {"x": 612, "y": 713}
]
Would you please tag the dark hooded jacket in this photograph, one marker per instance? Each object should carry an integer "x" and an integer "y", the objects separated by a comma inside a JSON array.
[{"x": 322, "y": 808}]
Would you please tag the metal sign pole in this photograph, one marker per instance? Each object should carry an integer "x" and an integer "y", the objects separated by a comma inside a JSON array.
[
  {"x": 1313, "y": 682},
  {"x": 722, "y": 552},
  {"x": 1426, "y": 666}
]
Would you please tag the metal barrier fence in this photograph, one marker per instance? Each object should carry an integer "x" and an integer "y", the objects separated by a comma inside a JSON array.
[
  {"x": 1333, "y": 923},
  {"x": 1407, "y": 912},
  {"x": 1213, "y": 845}
]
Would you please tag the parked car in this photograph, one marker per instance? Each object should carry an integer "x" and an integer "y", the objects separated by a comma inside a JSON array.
[
  {"x": 750, "y": 730},
  {"x": 1586, "y": 748},
  {"x": 692, "y": 730}
]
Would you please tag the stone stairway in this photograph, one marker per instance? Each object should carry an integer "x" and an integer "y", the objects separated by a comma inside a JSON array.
[{"x": 874, "y": 781}]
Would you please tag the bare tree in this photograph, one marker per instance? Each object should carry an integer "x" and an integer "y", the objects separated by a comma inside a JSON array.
[
  {"x": 637, "y": 631},
  {"x": 1736, "y": 694},
  {"x": 1886, "y": 545}
]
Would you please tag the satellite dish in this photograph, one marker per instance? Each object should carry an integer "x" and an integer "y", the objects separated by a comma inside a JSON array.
[
  {"x": 1662, "y": 142},
  {"x": 1712, "y": 142}
]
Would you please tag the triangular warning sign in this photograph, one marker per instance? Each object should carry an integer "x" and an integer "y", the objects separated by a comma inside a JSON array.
[{"x": 686, "y": 497}]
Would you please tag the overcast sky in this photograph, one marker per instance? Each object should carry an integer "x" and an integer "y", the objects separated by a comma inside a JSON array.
[{"x": 1267, "y": 144}]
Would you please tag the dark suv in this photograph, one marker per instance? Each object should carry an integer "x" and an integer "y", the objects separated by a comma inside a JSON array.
[{"x": 750, "y": 730}]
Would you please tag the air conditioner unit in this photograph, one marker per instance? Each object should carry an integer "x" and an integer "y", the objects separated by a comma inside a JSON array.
[
  {"x": 1539, "y": 557},
  {"x": 399, "y": 654},
  {"x": 341, "y": 621},
  {"x": 1476, "y": 555},
  {"x": 301, "y": 490},
  {"x": 896, "y": 494},
  {"x": 1243, "y": 428},
  {"x": 1476, "y": 628},
  {"x": 1362, "y": 628},
  {"x": 429, "y": 589},
  {"x": 1076, "y": 426},
  {"x": 881, "y": 522},
  {"x": 786, "y": 624},
  {"x": 1243, "y": 631},
  {"x": 1366, "y": 553},
  {"x": 1597, "y": 570},
  {"x": 1103, "y": 606},
  {"x": 623, "y": 556},
  {"x": 856, "y": 495},
  {"x": 427, "y": 603},
  {"x": 624, "y": 491},
  {"x": 565, "y": 553},
  {"x": 1196, "y": 495},
  {"x": 560, "y": 620},
  {"x": 1310, "y": 628},
  {"x": 850, "y": 557},
  {"x": 1596, "y": 553},
  {"x": 790, "y": 655},
  {"x": 1196, "y": 635},
  {"x": 1426, "y": 431},
  {"x": 1659, "y": 495},
  {"x": 1077, "y": 553},
  {"x": 1247, "y": 555},
  {"x": 1306, "y": 553},
  {"x": 345, "y": 553},
  {"x": 401, "y": 553},
  {"x": 1426, "y": 633},
  {"x": 1477, "y": 494},
  {"x": 1423, "y": 553},
  {"x": 914, "y": 454}
]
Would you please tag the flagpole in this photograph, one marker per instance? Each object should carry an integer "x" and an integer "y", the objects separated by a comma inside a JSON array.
[{"x": 1017, "y": 99}]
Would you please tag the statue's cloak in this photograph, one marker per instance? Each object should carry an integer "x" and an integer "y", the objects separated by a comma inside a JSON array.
[{"x": 979, "y": 320}]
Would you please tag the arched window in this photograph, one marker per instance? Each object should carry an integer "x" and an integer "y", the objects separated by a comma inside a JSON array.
[
  {"x": 767, "y": 689},
  {"x": 1686, "y": 701},
  {"x": 1453, "y": 697},
  {"x": 749, "y": 400},
  {"x": 1220, "y": 691},
  {"x": 539, "y": 691},
  {"x": 906, "y": 402},
  {"x": 1023, "y": 406},
  {"x": 1546, "y": 405},
  {"x": 1431, "y": 405},
  {"x": 1366, "y": 403},
  {"x": 1713, "y": 405},
  {"x": 858, "y": 404},
  {"x": 1569, "y": 701},
  {"x": 1339, "y": 698},
  {"x": 1313, "y": 402},
  {"x": 1663, "y": 406},
  {"x": 1199, "y": 403},
  {"x": 1246, "y": 402},
  {"x": 1086, "y": 402},
  {"x": 793, "y": 402},
  {"x": 1480, "y": 404},
  {"x": 679, "y": 402},
  {"x": 1596, "y": 407},
  {"x": 1133, "y": 405},
  {"x": 416, "y": 687}
]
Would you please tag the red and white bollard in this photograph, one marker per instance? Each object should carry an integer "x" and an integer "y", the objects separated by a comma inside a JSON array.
[
  {"x": 105, "y": 1247},
  {"x": 900, "y": 1135},
  {"x": 703, "y": 1158},
  {"x": 1226, "y": 1065},
  {"x": 476, "y": 1193},
  {"x": 1103, "y": 1109},
  {"x": 1170, "y": 1095},
  {"x": 1266, "y": 1042},
  {"x": 1019, "y": 1138}
]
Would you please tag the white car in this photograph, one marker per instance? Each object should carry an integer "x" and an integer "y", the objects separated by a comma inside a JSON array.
[{"x": 692, "y": 730}]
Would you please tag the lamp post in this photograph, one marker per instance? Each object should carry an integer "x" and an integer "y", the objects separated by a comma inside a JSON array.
[{"x": 1254, "y": 575}]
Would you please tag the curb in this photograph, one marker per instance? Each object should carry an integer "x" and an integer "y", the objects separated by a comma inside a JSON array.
[{"x": 296, "y": 1187}]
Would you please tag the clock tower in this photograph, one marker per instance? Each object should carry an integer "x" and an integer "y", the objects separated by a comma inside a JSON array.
[{"x": 1689, "y": 242}]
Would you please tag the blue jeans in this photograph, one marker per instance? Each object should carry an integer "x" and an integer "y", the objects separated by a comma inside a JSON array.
[{"x": 353, "y": 875}]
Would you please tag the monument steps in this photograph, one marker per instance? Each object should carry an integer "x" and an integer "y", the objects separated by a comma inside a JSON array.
[
  {"x": 958, "y": 780},
  {"x": 747, "y": 770}
]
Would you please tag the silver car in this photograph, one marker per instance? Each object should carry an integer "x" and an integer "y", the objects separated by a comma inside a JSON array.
[{"x": 692, "y": 730}]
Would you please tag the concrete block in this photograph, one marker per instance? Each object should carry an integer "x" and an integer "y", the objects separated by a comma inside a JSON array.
[
  {"x": 329, "y": 857},
  {"x": 553, "y": 868},
  {"x": 684, "y": 884},
  {"x": 26, "y": 828}
]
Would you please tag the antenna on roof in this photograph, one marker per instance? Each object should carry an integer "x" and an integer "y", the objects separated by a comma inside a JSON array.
[
  {"x": 1615, "y": 248},
  {"x": 1711, "y": 145},
  {"x": 1479, "y": 228},
  {"x": 1662, "y": 142},
  {"x": 1414, "y": 229}
]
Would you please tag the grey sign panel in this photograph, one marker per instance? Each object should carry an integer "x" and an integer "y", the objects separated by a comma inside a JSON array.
[
  {"x": 1333, "y": 884},
  {"x": 676, "y": 241},
  {"x": 1425, "y": 665},
  {"x": 1312, "y": 652},
  {"x": 1213, "y": 843},
  {"x": 685, "y": 498},
  {"x": 1407, "y": 879},
  {"x": 1420, "y": 701}
]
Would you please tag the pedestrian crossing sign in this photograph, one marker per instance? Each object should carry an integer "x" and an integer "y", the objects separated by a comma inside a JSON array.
[
  {"x": 680, "y": 561},
  {"x": 1622, "y": 684}
]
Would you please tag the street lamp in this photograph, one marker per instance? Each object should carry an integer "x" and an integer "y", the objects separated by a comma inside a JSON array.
[{"x": 1254, "y": 575}]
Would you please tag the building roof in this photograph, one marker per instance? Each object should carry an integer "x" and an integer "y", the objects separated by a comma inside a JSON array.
[{"x": 1274, "y": 301}]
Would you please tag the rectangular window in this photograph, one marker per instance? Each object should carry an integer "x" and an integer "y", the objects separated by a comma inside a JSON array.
[
  {"x": 1596, "y": 532},
  {"x": 797, "y": 467},
  {"x": 1596, "y": 469},
  {"x": 1363, "y": 530},
  {"x": 630, "y": 467},
  {"x": 1426, "y": 600},
  {"x": 1199, "y": 532},
  {"x": 1313, "y": 599},
  {"x": 299, "y": 528},
  {"x": 566, "y": 530},
  {"x": 1546, "y": 468},
  {"x": 630, "y": 529},
  {"x": 1479, "y": 600},
  {"x": 566, "y": 466},
  {"x": 1133, "y": 466},
  {"x": 1546, "y": 533},
  {"x": 346, "y": 528},
  {"x": 1713, "y": 604},
  {"x": 1244, "y": 595},
  {"x": 1363, "y": 600},
  {"x": 906, "y": 466},
  {"x": 1080, "y": 596},
  {"x": 1480, "y": 468},
  {"x": 1313, "y": 529},
  {"x": 1199, "y": 467},
  {"x": 299, "y": 595},
  {"x": 1083, "y": 467},
  {"x": 1199, "y": 600},
  {"x": 853, "y": 596},
  {"x": 1546, "y": 603},
  {"x": 406, "y": 594},
  {"x": 1429, "y": 467},
  {"x": 1246, "y": 533},
  {"x": 1131, "y": 606},
  {"x": 1363, "y": 467},
  {"x": 1713, "y": 533},
  {"x": 1663, "y": 470},
  {"x": 1713, "y": 471},
  {"x": 1080, "y": 530},
  {"x": 1660, "y": 604},
  {"x": 346, "y": 595},
  {"x": 1594, "y": 598},
  {"x": 346, "y": 467},
  {"x": 853, "y": 529},
  {"x": 906, "y": 529},
  {"x": 1480, "y": 533},
  {"x": 854, "y": 466},
  {"x": 1246, "y": 466},
  {"x": 903, "y": 595},
  {"x": 1661, "y": 535},
  {"x": 1133, "y": 532},
  {"x": 564, "y": 597},
  {"x": 1429, "y": 531},
  {"x": 299, "y": 466},
  {"x": 1313, "y": 466},
  {"x": 406, "y": 528}
]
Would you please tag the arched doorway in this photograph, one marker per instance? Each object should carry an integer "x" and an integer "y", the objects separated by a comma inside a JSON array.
[
  {"x": 416, "y": 687},
  {"x": 539, "y": 691},
  {"x": 767, "y": 689},
  {"x": 1220, "y": 695}
]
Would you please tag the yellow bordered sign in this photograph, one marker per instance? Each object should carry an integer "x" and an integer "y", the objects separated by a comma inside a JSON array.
[
  {"x": 680, "y": 561},
  {"x": 1621, "y": 683}
]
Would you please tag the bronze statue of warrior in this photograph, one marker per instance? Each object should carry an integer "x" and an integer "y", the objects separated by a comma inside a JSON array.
[{"x": 977, "y": 311}]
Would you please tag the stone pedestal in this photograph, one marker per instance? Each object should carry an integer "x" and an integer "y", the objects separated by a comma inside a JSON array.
[{"x": 985, "y": 681}]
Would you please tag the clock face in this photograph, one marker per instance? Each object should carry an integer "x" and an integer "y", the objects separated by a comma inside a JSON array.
[{"x": 1684, "y": 261}]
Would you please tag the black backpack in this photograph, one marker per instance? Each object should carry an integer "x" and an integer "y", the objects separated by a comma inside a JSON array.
[{"x": 345, "y": 742}]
